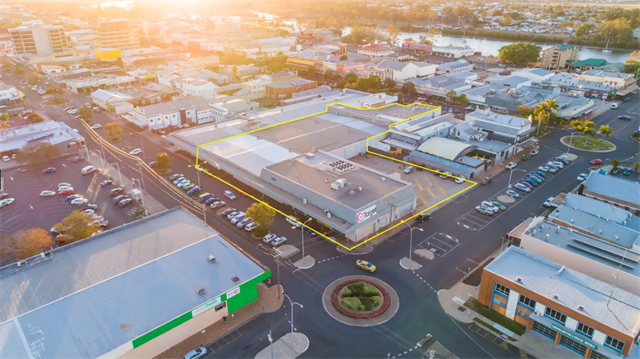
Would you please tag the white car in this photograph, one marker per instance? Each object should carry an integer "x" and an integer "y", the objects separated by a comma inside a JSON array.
[
  {"x": 89, "y": 211},
  {"x": 243, "y": 222},
  {"x": 6, "y": 202},
  {"x": 135, "y": 152},
  {"x": 293, "y": 221},
  {"x": 521, "y": 187},
  {"x": 269, "y": 237},
  {"x": 48, "y": 194},
  {"x": 229, "y": 195},
  {"x": 544, "y": 168},
  {"x": 489, "y": 206},
  {"x": 6, "y": 158},
  {"x": 251, "y": 226},
  {"x": 558, "y": 164},
  {"x": 64, "y": 188},
  {"x": 460, "y": 179},
  {"x": 72, "y": 111},
  {"x": 233, "y": 214},
  {"x": 238, "y": 218},
  {"x": 96, "y": 126},
  {"x": 88, "y": 170},
  {"x": 78, "y": 201},
  {"x": 549, "y": 203},
  {"x": 511, "y": 165},
  {"x": 582, "y": 177},
  {"x": 278, "y": 241},
  {"x": 512, "y": 193}
]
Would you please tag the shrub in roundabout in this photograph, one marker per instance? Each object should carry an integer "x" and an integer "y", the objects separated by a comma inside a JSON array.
[{"x": 360, "y": 298}]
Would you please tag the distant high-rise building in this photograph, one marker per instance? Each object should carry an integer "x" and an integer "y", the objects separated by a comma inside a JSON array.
[
  {"x": 118, "y": 34},
  {"x": 39, "y": 40},
  {"x": 559, "y": 57}
]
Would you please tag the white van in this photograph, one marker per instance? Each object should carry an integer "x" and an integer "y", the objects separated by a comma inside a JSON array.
[
  {"x": 293, "y": 221},
  {"x": 614, "y": 105}
]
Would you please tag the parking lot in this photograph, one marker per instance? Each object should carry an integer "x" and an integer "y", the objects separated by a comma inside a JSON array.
[
  {"x": 32, "y": 211},
  {"x": 476, "y": 221},
  {"x": 439, "y": 244},
  {"x": 429, "y": 187}
]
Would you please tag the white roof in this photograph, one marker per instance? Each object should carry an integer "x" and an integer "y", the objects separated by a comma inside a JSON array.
[
  {"x": 574, "y": 289},
  {"x": 443, "y": 147}
]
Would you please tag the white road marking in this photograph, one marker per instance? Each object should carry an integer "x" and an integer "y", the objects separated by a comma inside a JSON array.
[
  {"x": 63, "y": 165},
  {"x": 11, "y": 178},
  {"x": 31, "y": 206}
]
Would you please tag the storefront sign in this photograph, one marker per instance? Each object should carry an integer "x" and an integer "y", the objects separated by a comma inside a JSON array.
[
  {"x": 366, "y": 214},
  {"x": 206, "y": 306},
  {"x": 233, "y": 292},
  {"x": 574, "y": 337}
]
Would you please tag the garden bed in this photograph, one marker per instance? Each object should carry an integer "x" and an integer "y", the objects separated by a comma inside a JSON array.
[
  {"x": 360, "y": 298},
  {"x": 588, "y": 144}
]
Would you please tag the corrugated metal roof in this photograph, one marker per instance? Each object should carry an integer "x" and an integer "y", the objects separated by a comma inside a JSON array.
[
  {"x": 444, "y": 147},
  {"x": 614, "y": 187},
  {"x": 98, "y": 294},
  {"x": 573, "y": 289}
]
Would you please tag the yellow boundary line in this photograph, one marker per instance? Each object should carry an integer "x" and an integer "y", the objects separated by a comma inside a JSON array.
[{"x": 473, "y": 184}]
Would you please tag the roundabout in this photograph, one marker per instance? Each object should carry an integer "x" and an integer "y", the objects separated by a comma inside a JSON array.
[
  {"x": 360, "y": 301},
  {"x": 586, "y": 144}
]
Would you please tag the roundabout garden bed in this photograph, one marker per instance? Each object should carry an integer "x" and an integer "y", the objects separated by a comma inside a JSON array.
[
  {"x": 588, "y": 143},
  {"x": 360, "y": 298}
]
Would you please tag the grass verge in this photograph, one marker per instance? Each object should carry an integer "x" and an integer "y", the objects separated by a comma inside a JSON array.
[
  {"x": 481, "y": 309},
  {"x": 589, "y": 144},
  {"x": 489, "y": 327}
]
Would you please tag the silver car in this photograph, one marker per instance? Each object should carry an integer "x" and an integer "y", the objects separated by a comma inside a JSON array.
[
  {"x": 278, "y": 241},
  {"x": 196, "y": 353}
]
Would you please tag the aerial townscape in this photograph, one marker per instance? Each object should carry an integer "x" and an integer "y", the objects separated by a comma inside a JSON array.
[{"x": 244, "y": 179}]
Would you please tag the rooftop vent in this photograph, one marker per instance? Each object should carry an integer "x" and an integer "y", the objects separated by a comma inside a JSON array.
[
  {"x": 546, "y": 237},
  {"x": 235, "y": 279},
  {"x": 21, "y": 263},
  {"x": 518, "y": 279},
  {"x": 581, "y": 308},
  {"x": 200, "y": 291},
  {"x": 211, "y": 258},
  {"x": 555, "y": 296},
  {"x": 383, "y": 179}
]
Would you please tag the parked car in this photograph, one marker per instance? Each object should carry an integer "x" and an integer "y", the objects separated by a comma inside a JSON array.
[
  {"x": 530, "y": 181},
  {"x": 489, "y": 205},
  {"x": 534, "y": 152},
  {"x": 49, "y": 170},
  {"x": 627, "y": 171},
  {"x": 238, "y": 217},
  {"x": 233, "y": 214},
  {"x": 522, "y": 188},
  {"x": 184, "y": 184},
  {"x": 63, "y": 184},
  {"x": 409, "y": 169},
  {"x": 365, "y": 266},
  {"x": 278, "y": 241},
  {"x": 135, "y": 152},
  {"x": 460, "y": 179},
  {"x": 198, "y": 353},
  {"x": 484, "y": 210},
  {"x": 498, "y": 204},
  {"x": 189, "y": 187},
  {"x": 558, "y": 164},
  {"x": 116, "y": 191},
  {"x": 251, "y": 226},
  {"x": 65, "y": 192},
  {"x": 194, "y": 190},
  {"x": 269, "y": 237},
  {"x": 582, "y": 177},
  {"x": 538, "y": 173},
  {"x": 243, "y": 222},
  {"x": 525, "y": 157},
  {"x": 528, "y": 185},
  {"x": 73, "y": 196},
  {"x": 175, "y": 176},
  {"x": 77, "y": 159},
  {"x": 511, "y": 165},
  {"x": 177, "y": 181},
  {"x": 97, "y": 126},
  {"x": 119, "y": 198},
  {"x": 549, "y": 203},
  {"x": 125, "y": 202},
  {"x": 100, "y": 223},
  {"x": 217, "y": 204},
  {"x": 512, "y": 193},
  {"x": 203, "y": 197},
  {"x": 79, "y": 201},
  {"x": 6, "y": 158},
  {"x": 47, "y": 194},
  {"x": 536, "y": 178},
  {"x": 596, "y": 162},
  {"x": 106, "y": 183},
  {"x": 229, "y": 195},
  {"x": 227, "y": 211},
  {"x": 563, "y": 159},
  {"x": 6, "y": 202},
  {"x": 88, "y": 170},
  {"x": 210, "y": 200},
  {"x": 552, "y": 169},
  {"x": 624, "y": 118}
]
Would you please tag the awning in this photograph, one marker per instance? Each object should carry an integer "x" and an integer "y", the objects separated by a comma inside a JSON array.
[{"x": 627, "y": 90}]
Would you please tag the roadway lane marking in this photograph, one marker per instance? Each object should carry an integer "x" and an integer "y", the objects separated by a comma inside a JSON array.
[
  {"x": 63, "y": 165},
  {"x": 440, "y": 187},
  {"x": 419, "y": 185},
  {"x": 431, "y": 193},
  {"x": 31, "y": 206},
  {"x": 11, "y": 178},
  {"x": 422, "y": 198}
]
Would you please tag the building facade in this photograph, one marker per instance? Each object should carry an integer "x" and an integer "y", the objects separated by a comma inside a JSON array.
[
  {"x": 285, "y": 89},
  {"x": 559, "y": 57},
  {"x": 117, "y": 35},
  {"x": 40, "y": 40}
]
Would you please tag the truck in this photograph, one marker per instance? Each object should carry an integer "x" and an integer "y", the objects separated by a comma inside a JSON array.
[{"x": 136, "y": 194}]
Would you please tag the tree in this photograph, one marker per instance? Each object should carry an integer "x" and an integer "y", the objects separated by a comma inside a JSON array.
[
  {"x": 451, "y": 95},
  {"x": 36, "y": 153},
  {"x": 262, "y": 214},
  {"x": 344, "y": 57},
  {"x": 26, "y": 243},
  {"x": 17, "y": 71},
  {"x": 162, "y": 161},
  {"x": 4, "y": 117},
  {"x": 605, "y": 131},
  {"x": 462, "y": 99},
  {"x": 312, "y": 70},
  {"x": 409, "y": 88},
  {"x": 113, "y": 130},
  {"x": 392, "y": 35},
  {"x": 618, "y": 31},
  {"x": 520, "y": 53},
  {"x": 525, "y": 111},
  {"x": 53, "y": 90},
  {"x": 369, "y": 84},
  {"x": 389, "y": 83},
  {"x": 506, "y": 20},
  {"x": 85, "y": 113},
  {"x": 615, "y": 163},
  {"x": 544, "y": 111},
  {"x": 331, "y": 75},
  {"x": 583, "y": 31},
  {"x": 362, "y": 35},
  {"x": 636, "y": 166},
  {"x": 351, "y": 77},
  {"x": 76, "y": 225}
]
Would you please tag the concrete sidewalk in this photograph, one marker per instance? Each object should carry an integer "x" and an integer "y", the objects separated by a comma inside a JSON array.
[
  {"x": 153, "y": 205},
  {"x": 288, "y": 347}
]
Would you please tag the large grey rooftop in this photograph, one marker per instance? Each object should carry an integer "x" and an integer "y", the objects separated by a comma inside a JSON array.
[
  {"x": 573, "y": 289},
  {"x": 92, "y": 296}
]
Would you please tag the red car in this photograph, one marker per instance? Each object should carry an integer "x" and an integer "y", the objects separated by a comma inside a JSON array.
[
  {"x": 526, "y": 184},
  {"x": 596, "y": 162},
  {"x": 66, "y": 192},
  {"x": 77, "y": 159}
]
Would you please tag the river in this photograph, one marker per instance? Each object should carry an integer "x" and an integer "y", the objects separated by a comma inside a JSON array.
[{"x": 491, "y": 47}]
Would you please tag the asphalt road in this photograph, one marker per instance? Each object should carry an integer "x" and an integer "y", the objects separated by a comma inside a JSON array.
[{"x": 419, "y": 311}]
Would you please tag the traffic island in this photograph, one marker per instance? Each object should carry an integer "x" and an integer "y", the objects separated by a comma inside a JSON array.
[
  {"x": 506, "y": 199},
  {"x": 360, "y": 301},
  {"x": 288, "y": 347},
  {"x": 286, "y": 251},
  {"x": 587, "y": 144},
  {"x": 409, "y": 264},
  {"x": 305, "y": 263},
  {"x": 424, "y": 253}
]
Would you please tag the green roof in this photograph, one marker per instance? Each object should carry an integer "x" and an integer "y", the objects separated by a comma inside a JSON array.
[
  {"x": 613, "y": 66},
  {"x": 565, "y": 46},
  {"x": 590, "y": 62}
]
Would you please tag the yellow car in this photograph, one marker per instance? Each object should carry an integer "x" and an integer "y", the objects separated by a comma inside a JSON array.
[{"x": 366, "y": 266}]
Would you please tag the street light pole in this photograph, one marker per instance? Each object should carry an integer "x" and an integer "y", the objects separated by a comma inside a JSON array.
[
  {"x": 141, "y": 195},
  {"x": 292, "y": 303},
  {"x": 570, "y": 142},
  {"x": 411, "y": 237},
  {"x": 101, "y": 160},
  {"x": 511, "y": 174},
  {"x": 302, "y": 232},
  {"x": 119, "y": 174}
]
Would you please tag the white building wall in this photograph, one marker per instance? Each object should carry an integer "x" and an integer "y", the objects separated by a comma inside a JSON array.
[
  {"x": 571, "y": 323},
  {"x": 540, "y": 308},
  {"x": 598, "y": 337},
  {"x": 512, "y": 304}
]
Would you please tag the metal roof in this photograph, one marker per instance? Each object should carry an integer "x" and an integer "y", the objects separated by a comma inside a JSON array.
[
  {"x": 95, "y": 295},
  {"x": 614, "y": 187},
  {"x": 573, "y": 289},
  {"x": 444, "y": 147}
]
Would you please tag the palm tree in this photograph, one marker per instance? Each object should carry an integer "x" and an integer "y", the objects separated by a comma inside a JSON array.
[
  {"x": 636, "y": 166},
  {"x": 605, "y": 131},
  {"x": 545, "y": 109},
  {"x": 615, "y": 163}
]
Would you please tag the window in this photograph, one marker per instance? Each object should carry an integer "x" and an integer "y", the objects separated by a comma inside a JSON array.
[
  {"x": 585, "y": 329},
  {"x": 554, "y": 314},
  {"x": 522, "y": 314},
  {"x": 502, "y": 289},
  {"x": 527, "y": 301},
  {"x": 614, "y": 344}
]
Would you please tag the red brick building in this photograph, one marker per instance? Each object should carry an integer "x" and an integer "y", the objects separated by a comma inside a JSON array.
[{"x": 285, "y": 89}]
